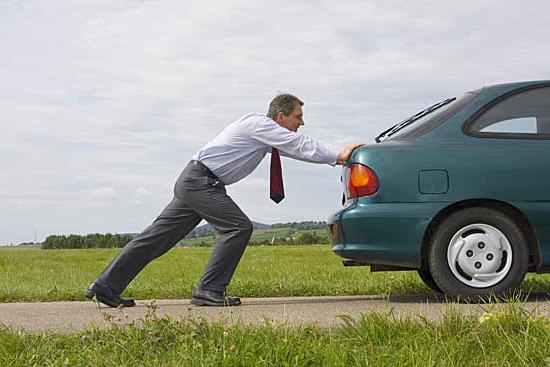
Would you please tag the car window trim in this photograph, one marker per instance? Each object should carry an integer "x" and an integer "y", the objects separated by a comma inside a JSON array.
[{"x": 467, "y": 126}]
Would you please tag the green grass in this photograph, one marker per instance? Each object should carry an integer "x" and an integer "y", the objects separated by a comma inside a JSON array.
[
  {"x": 513, "y": 337},
  {"x": 265, "y": 271},
  {"x": 509, "y": 338}
]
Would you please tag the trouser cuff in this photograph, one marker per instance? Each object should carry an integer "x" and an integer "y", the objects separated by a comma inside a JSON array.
[{"x": 210, "y": 287}]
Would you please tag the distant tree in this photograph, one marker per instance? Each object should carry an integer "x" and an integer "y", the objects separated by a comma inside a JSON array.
[{"x": 95, "y": 240}]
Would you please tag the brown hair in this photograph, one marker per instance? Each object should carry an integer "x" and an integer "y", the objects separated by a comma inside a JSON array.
[{"x": 284, "y": 103}]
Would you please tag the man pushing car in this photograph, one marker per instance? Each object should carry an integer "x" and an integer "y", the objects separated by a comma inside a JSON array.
[{"x": 199, "y": 193}]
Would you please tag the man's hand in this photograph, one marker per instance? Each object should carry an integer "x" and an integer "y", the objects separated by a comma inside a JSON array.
[{"x": 344, "y": 154}]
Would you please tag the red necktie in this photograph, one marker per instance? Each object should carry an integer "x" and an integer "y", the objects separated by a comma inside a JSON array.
[{"x": 276, "y": 189}]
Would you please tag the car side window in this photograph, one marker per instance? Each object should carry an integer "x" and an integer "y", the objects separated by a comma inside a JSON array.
[
  {"x": 522, "y": 115},
  {"x": 519, "y": 125}
]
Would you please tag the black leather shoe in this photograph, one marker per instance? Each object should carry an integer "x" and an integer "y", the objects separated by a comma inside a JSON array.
[
  {"x": 203, "y": 297},
  {"x": 108, "y": 296}
]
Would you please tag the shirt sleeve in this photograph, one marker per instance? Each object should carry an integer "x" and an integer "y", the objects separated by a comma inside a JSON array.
[{"x": 292, "y": 144}]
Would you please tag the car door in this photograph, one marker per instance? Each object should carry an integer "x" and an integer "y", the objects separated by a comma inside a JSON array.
[{"x": 515, "y": 130}]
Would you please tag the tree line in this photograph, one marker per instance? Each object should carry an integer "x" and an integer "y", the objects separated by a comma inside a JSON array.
[
  {"x": 208, "y": 230},
  {"x": 95, "y": 240},
  {"x": 301, "y": 226}
]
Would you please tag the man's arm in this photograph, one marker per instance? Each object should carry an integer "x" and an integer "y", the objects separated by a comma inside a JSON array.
[
  {"x": 340, "y": 159},
  {"x": 296, "y": 145},
  {"x": 285, "y": 154}
]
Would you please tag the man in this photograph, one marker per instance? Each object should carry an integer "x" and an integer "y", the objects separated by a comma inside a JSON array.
[{"x": 199, "y": 193}]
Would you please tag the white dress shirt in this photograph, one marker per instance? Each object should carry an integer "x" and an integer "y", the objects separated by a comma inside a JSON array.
[{"x": 242, "y": 145}]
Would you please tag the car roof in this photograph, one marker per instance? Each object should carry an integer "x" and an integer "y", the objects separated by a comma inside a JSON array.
[{"x": 508, "y": 87}]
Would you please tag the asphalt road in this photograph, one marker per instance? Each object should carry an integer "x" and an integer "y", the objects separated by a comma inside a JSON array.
[{"x": 67, "y": 317}]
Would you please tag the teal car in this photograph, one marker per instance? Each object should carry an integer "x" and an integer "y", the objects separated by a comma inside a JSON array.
[{"x": 459, "y": 192}]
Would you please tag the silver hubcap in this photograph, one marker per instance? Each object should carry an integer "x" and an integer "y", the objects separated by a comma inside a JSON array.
[{"x": 479, "y": 255}]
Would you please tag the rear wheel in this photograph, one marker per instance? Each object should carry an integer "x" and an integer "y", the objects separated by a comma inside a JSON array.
[
  {"x": 478, "y": 252},
  {"x": 428, "y": 280}
]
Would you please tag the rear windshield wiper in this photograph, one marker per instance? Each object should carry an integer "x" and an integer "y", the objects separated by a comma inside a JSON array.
[{"x": 395, "y": 128}]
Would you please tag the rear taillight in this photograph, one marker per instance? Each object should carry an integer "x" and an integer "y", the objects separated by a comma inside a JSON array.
[{"x": 362, "y": 180}]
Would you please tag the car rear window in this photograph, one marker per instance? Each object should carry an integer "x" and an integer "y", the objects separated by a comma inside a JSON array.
[
  {"x": 433, "y": 119},
  {"x": 525, "y": 114}
]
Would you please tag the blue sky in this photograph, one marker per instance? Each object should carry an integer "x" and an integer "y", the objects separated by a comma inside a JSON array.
[{"x": 104, "y": 102}]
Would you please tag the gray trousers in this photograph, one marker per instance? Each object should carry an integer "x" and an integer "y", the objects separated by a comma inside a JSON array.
[{"x": 198, "y": 194}]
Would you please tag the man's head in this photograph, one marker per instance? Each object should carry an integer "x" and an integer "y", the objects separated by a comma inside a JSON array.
[{"x": 286, "y": 110}]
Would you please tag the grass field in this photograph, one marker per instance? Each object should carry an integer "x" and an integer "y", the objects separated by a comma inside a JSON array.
[
  {"x": 509, "y": 338},
  {"x": 258, "y": 235},
  {"x": 55, "y": 275}
]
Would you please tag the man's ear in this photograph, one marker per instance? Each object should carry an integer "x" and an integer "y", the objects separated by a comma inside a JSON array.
[{"x": 279, "y": 117}]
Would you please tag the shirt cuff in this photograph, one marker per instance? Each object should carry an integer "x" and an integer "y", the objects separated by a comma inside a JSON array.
[{"x": 332, "y": 157}]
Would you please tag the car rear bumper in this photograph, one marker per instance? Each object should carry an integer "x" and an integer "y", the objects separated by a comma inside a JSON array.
[{"x": 382, "y": 233}]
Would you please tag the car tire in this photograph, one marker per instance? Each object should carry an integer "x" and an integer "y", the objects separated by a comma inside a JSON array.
[
  {"x": 428, "y": 280},
  {"x": 477, "y": 253}
]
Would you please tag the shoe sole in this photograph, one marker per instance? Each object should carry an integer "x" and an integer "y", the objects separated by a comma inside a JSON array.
[{"x": 205, "y": 302}]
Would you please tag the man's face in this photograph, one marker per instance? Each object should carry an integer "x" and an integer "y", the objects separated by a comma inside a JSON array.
[{"x": 293, "y": 120}]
